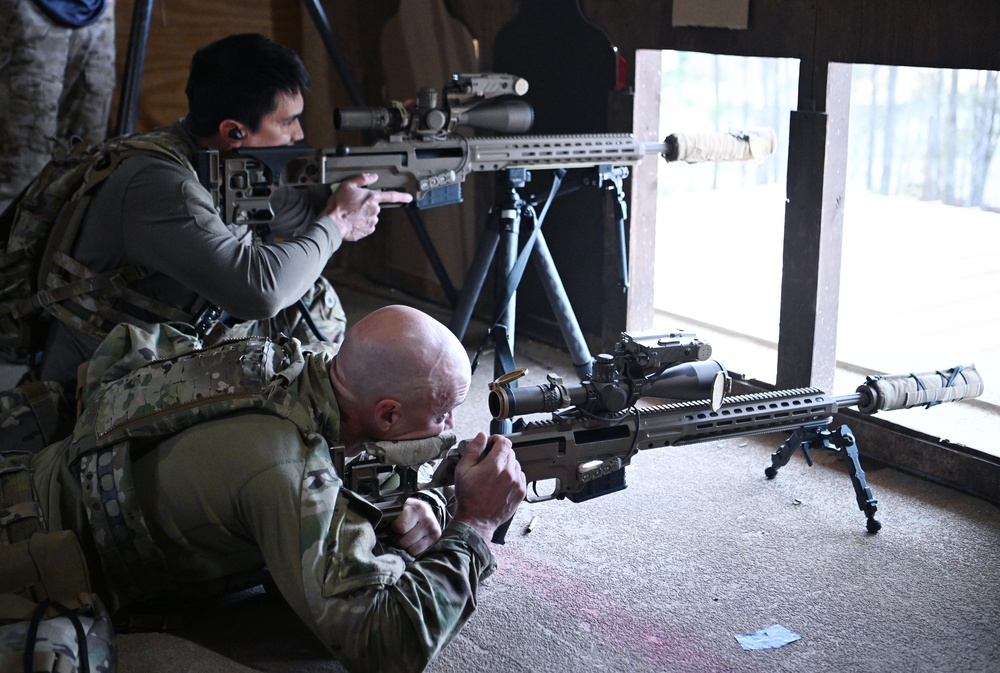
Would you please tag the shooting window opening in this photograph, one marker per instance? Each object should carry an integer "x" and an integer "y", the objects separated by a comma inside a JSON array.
[{"x": 920, "y": 274}]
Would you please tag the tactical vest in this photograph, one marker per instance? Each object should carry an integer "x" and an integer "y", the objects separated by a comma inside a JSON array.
[
  {"x": 153, "y": 401},
  {"x": 37, "y": 236}
]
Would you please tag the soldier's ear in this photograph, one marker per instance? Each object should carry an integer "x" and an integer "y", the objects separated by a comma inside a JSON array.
[{"x": 386, "y": 414}]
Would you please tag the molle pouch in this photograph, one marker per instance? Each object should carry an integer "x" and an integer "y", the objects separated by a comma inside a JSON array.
[
  {"x": 50, "y": 620},
  {"x": 33, "y": 415}
]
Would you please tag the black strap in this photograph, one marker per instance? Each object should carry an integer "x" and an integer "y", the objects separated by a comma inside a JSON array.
[
  {"x": 31, "y": 637},
  {"x": 307, "y": 317}
]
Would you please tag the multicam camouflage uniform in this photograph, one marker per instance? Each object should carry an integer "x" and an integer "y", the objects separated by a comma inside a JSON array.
[
  {"x": 56, "y": 82},
  {"x": 243, "y": 482},
  {"x": 45, "y": 577}
]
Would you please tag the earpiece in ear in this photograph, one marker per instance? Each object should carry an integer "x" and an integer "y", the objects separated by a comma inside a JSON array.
[{"x": 236, "y": 134}]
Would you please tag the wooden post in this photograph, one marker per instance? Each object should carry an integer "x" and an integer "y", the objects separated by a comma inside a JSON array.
[{"x": 814, "y": 213}]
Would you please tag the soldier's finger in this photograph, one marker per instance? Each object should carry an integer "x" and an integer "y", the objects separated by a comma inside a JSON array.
[{"x": 392, "y": 196}]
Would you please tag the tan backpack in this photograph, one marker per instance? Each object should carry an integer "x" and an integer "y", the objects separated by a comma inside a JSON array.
[{"x": 38, "y": 231}]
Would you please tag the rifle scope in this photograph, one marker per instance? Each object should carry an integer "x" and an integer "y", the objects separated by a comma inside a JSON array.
[
  {"x": 501, "y": 116},
  {"x": 690, "y": 381}
]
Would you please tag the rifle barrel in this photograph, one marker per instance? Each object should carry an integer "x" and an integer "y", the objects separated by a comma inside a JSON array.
[{"x": 852, "y": 400}]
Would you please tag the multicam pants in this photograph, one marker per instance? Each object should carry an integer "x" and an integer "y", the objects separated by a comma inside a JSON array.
[{"x": 56, "y": 83}]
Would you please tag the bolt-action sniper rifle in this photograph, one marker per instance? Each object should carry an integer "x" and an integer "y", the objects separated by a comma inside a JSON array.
[
  {"x": 424, "y": 149},
  {"x": 598, "y": 426}
]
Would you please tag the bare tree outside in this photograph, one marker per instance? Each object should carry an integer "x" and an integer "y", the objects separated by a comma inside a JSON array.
[
  {"x": 985, "y": 129},
  {"x": 934, "y": 132},
  {"x": 873, "y": 125},
  {"x": 888, "y": 131},
  {"x": 950, "y": 130}
]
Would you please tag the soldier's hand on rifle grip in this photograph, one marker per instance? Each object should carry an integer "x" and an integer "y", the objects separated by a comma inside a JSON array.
[
  {"x": 355, "y": 208},
  {"x": 489, "y": 484},
  {"x": 416, "y": 527}
]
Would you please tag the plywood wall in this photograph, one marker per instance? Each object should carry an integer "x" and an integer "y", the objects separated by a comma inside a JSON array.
[
  {"x": 176, "y": 29},
  {"x": 957, "y": 34}
]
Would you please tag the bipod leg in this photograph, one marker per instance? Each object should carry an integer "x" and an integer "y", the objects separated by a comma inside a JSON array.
[
  {"x": 835, "y": 440},
  {"x": 612, "y": 177},
  {"x": 843, "y": 438},
  {"x": 800, "y": 437},
  {"x": 420, "y": 229},
  {"x": 555, "y": 292},
  {"x": 485, "y": 251}
]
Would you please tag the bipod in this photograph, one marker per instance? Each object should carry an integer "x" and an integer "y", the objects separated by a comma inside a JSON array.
[{"x": 841, "y": 438}]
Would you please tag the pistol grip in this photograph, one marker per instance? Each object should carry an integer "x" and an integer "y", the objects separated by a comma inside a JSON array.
[{"x": 500, "y": 534}]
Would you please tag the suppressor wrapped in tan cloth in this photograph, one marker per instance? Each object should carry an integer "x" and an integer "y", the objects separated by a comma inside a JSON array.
[
  {"x": 754, "y": 144},
  {"x": 903, "y": 391}
]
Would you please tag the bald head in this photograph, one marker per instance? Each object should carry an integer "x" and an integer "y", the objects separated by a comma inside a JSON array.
[{"x": 402, "y": 354}]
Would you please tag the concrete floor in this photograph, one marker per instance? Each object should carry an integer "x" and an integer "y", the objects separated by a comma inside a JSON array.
[{"x": 661, "y": 577}]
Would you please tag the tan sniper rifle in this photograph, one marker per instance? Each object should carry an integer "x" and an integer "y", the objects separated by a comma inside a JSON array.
[
  {"x": 424, "y": 149},
  {"x": 597, "y": 427}
]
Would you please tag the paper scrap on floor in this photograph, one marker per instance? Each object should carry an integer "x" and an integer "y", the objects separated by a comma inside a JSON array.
[{"x": 771, "y": 637}]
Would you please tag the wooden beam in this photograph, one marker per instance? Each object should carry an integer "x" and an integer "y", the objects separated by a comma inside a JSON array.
[
  {"x": 643, "y": 193},
  {"x": 816, "y": 183}
]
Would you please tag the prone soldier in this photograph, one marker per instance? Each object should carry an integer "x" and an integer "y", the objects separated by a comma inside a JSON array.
[{"x": 219, "y": 465}]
